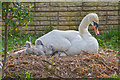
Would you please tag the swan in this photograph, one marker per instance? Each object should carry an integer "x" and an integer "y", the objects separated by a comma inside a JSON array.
[{"x": 74, "y": 42}]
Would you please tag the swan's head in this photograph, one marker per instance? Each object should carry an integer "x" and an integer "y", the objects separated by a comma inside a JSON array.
[
  {"x": 39, "y": 44},
  {"x": 94, "y": 20}
]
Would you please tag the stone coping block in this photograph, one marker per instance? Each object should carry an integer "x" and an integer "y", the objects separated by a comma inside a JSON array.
[{"x": 60, "y": 0}]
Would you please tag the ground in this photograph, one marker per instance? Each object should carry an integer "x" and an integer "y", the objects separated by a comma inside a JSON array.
[{"x": 103, "y": 64}]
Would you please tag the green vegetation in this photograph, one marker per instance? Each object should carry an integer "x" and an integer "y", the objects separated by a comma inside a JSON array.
[
  {"x": 14, "y": 14},
  {"x": 19, "y": 15},
  {"x": 17, "y": 40},
  {"x": 109, "y": 39},
  {"x": 23, "y": 76}
]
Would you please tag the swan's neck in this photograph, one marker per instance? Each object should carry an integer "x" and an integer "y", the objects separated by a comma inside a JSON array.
[{"x": 83, "y": 27}]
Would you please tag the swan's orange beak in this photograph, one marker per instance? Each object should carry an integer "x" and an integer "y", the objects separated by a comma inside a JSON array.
[{"x": 96, "y": 30}]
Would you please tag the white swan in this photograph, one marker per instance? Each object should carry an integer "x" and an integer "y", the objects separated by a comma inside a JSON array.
[{"x": 74, "y": 42}]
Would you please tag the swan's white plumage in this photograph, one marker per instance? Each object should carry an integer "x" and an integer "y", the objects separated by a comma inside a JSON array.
[{"x": 73, "y": 42}]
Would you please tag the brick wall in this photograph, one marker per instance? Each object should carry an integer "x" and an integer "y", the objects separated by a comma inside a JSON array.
[{"x": 68, "y": 15}]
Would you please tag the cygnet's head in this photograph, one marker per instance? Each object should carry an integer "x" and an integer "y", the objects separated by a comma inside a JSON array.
[{"x": 28, "y": 44}]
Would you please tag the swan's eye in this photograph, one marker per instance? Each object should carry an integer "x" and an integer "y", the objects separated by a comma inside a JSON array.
[{"x": 95, "y": 24}]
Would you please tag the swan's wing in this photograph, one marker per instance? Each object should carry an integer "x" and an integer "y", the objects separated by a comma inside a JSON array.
[{"x": 55, "y": 38}]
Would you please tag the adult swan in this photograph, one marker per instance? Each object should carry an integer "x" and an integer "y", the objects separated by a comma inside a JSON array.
[{"x": 74, "y": 42}]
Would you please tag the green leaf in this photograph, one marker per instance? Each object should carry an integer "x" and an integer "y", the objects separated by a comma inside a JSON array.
[
  {"x": 26, "y": 25},
  {"x": 11, "y": 23},
  {"x": 19, "y": 8},
  {"x": 22, "y": 74},
  {"x": 19, "y": 12},
  {"x": 17, "y": 4},
  {"x": 19, "y": 21},
  {"x": 31, "y": 16},
  {"x": 27, "y": 18},
  {"x": 14, "y": 24},
  {"x": 31, "y": 6},
  {"x": 14, "y": 8},
  {"x": 15, "y": 17},
  {"x": 32, "y": 22}
]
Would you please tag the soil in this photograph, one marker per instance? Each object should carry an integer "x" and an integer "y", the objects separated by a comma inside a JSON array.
[{"x": 96, "y": 65}]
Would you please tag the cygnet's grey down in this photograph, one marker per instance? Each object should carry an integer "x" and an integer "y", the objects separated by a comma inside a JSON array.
[
  {"x": 32, "y": 50},
  {"x": 40, "y": 49},
  {"x": 49, "y": 50}
]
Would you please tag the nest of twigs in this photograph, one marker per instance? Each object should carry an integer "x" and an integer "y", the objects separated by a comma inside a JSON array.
[{"x": 103, "y": 64}]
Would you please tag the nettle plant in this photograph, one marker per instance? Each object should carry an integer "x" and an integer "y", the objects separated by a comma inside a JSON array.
[{"x": 18, "y": 15}]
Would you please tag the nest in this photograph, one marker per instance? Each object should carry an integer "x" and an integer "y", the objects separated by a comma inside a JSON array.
[{"x": 96, "y": 65}]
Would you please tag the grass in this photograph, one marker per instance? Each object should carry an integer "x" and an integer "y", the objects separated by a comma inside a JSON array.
[
  {"x": 109, "y": 40},
  {"x": 106, "y": 40},
  {"x": 17, "y": 40}
]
